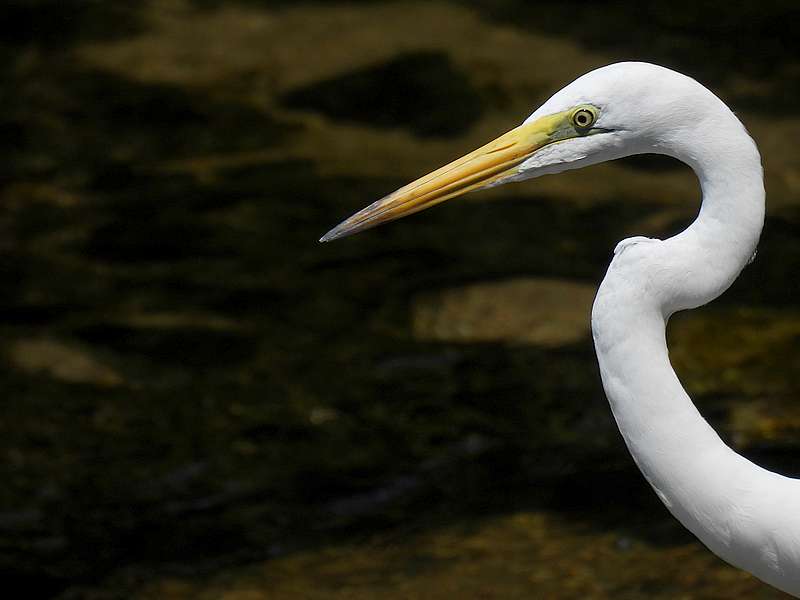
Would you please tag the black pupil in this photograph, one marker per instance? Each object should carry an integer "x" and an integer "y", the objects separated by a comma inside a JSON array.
[{"x": 583, "y": 119}]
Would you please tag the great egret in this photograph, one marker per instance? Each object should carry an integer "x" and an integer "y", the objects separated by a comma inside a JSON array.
[{"x": 747, "y": 515}]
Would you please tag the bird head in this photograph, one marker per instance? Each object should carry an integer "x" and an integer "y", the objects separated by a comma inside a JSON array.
[{"x": 611, "y": 112}]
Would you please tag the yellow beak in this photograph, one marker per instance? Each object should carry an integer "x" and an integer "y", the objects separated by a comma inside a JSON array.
[{"x": 489, "y": 164}]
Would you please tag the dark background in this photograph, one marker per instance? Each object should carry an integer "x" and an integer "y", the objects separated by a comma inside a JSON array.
[{"x": 197, "y": 400}]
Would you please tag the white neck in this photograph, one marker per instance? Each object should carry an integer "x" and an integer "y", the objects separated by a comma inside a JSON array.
[{"x": 745, "y": 514}]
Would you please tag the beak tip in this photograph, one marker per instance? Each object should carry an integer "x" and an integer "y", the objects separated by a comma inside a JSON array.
[{"x": 333, "y": 234}]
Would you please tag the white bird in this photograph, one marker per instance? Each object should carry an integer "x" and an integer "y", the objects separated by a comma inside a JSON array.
[{"x": 745, "y": 514}]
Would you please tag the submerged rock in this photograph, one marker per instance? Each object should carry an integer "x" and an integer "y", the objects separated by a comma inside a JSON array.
[
  {"x": 62, "y": 361},
  {"x": 538, "y": 311}
]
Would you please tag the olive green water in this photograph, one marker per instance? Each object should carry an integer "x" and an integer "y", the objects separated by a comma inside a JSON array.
[{"x": 197, "y": 400}]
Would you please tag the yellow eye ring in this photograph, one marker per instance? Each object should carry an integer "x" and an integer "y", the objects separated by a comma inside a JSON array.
[{"x": 583, "y": 119}]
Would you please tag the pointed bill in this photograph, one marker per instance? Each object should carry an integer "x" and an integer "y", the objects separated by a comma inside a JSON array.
[{"x": 489, "y": 164}]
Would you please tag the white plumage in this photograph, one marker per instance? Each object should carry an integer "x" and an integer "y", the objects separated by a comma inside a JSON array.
[{"x": 745, "y": 514}]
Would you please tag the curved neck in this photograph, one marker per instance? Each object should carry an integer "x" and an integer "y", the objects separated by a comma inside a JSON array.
[
  {"x": 728, "y": 167},
  {"x": 714, "y": 492},
  {"x": 649, "y": 280}
]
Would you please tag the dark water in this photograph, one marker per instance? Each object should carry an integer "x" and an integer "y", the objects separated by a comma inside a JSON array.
[{"x": 198, "y": 400}]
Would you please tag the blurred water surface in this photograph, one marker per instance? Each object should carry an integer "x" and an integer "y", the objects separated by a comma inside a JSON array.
[{"x": 197, "y": 400}]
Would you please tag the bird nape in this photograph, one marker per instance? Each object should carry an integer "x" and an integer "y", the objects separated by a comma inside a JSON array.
[{"x": 747, "y": 515}]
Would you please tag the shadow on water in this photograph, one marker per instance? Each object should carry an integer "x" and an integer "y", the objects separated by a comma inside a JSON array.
[
  {"x": 422, "y": 91},
  {"x": 51, "y": 24},
  {"x": 758, "y": 38}
]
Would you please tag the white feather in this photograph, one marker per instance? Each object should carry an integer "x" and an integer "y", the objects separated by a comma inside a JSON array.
[{"x": 747, "y": 515}]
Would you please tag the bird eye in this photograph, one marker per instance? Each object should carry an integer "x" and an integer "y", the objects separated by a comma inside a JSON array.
[{"x": 583, "y": 118}]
